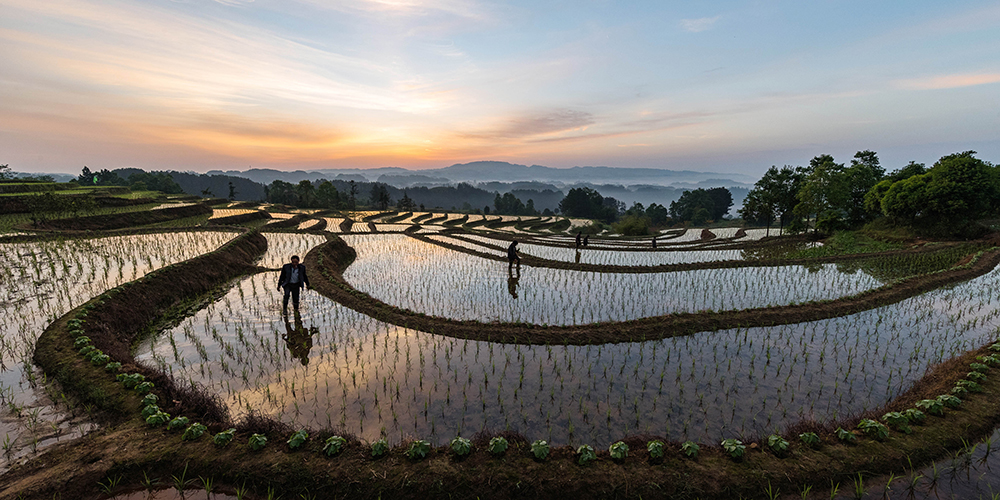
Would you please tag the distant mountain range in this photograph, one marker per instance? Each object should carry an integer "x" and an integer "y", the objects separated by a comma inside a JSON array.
[{"x": 497, "y": 171}]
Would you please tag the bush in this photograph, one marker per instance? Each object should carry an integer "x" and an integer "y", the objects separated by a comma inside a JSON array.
[
  {"x": 734, "y": 448},
  {"x": 619, "y": 450},
  {"x": 194, "y": 431},
  {"x": 586, "y": 453},
  {"x": 461, "y": 446},
  {"x": 655, "y": 449},
  {"x": 540, "y": 449},
  {"x": 334, "y": 445},
  {"x": 224, "y": 438},
  {"x": 380, "y": 448},
  {"x": 418, "y": 449},
  {"x": 498, "y": 445},
  {"x": 777, "y": 444},
  {"x": 257, "y": 442},
  {"x": 690, "y": 449}
]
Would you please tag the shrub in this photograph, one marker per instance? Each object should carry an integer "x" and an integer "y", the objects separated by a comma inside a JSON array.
[
  {"x": 777, "y": 444},
  {"x": 498, "y": 445},
  {"x": 257, "y": 442},
  {"x": 690, "y": 449},
  {"x": 158, "y": 418},
  {"x": 178, "y": 423},
  {"x": 969, "y": 385},
  {"x": 734, "y": 448},
  {"x": 873, "y": 429},
  {"x": 979, "y": 367},
  {"x": 461, "y": 446},
  {"x": 845, "y": 435},
  {"x": 916, "y": 416},
  {"x": 655, "y": 449},
  {"x": 587, "y": 454},
  {"x": 618, "y": 450},
  {"x": 540, "y": 449},
  {"x": 949, "y": 401},
  {"x": 898, "y": 421},
  {"x": 113, "y": 367},
  {"x": 418, "y": 449},
  {"x": 380, "y": 448},
  {"x": 810, "y": 439},
  {"x": 298, "y": 438},
  {"x": 932, "y": 406},
  {"x": 334, "y": 445},
  {"x": 194, "y": 431},
  {"x": 225, "y": 437},
  {"x": 149, "y": 410}
]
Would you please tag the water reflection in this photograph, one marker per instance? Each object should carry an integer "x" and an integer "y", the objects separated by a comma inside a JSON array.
[{"x": 299, "y": 339}]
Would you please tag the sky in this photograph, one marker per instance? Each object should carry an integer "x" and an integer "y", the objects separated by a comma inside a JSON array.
[{"x": 723, "y": 86}]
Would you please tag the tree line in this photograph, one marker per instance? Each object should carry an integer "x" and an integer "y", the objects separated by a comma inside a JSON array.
[{"x": 947, "y": 197}]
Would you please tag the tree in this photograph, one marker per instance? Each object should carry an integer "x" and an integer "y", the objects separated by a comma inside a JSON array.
[
  {"x": 658, "y": 214},
  {"x": 327, "y": 195},
  {"x": 909, "y": 170},
  {"x": 87, "y": 178},
  {"x": 232, "y": 191},
  {"x": 380, "y": 196},
  {"x": 722, "y": 201},
  {"x": 958, "y": 189},
  {"x": 759, "y": 208},
  {"x": 352, "y": 200},
  {"x": 824, "y": 193},
  {"x": 5, "y": 172},
  {"x": 405, "y": 203},
  {"x": 863, "y": 175},
  {"x": 693, "y": 206},
  {"x": 283, "y": 193},
  {"x": 589, "y": 204}
]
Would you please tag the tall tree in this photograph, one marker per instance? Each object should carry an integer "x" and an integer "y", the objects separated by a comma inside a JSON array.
[
  {"x": 863, "y": 174},
  {"x": 824, "y": 193}
]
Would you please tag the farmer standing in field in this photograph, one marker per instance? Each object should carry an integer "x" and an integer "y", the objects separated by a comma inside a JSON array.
[
  {"x": 578, "y": 238},
  {"x": 292, "y": 278},
  {"x": 512, "y": 256}
]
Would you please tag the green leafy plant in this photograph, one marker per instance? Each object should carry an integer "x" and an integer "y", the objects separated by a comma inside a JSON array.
[
  {"x": 380, "y": 448},
  {"x": 131, "y": 380},
  {"x": 224, "y": 438},
  {"x": 959, "y": 391},
  {"x": 734, "y": 448},
  {"x": 995, "y": 347},
  {"x": 655, "y": 449},
  {"x": 298, "y": 438},
  {"x": 113, "y": 367},
  {"x": 149, "y": 410},
  {"x": 87, "y": 349},
  {"x": 976, "y": 376},
  {"x": 158, "y": 418},
  {"x": 873, "y": 429},
  {"x": 690, "y": 449},
  {"x": 979, "y": 367},
  {"x": 916, "y": 416},
  {"x": 992, "y": 359},
  {"x": 498, "y": 445},
  {"x": 194, "y": 431},
  {"x": 810, "y": 439},
  {"x": 178, "y": 423},
  {"x": 969, "y": 385},
  {"x": 149, "y": 399},
  {"x": 777, "y": 444},
  {"x": 618, "y": 450},
  {"x": 461, "y": 446},
  {"x": 257, "y": 442},
  {"x": 949, "y": 401},
  {"x": 845, "y": 435},
  {"x": 334, "y": 445},
  {"x": 80, "y": 342},
  {"x": 932, "y": 406},
  {"x": 898, "y": 421},
  {"x": 101, "y": 359},
  {"x": 586, "y": 454},
  {"x": 418, "y": 449},
  {"x": 144, "y": 387},
  {"x": 540, "y": 449}
]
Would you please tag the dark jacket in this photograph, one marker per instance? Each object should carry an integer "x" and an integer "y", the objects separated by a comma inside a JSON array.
[{"x": 286, "y": 271}]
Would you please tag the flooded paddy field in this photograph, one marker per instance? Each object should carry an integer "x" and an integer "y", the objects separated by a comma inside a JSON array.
[{"x": 331, "y": 367}]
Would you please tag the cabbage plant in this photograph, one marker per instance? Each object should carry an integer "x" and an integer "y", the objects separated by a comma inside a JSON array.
[{"x": 586, "y": 453}]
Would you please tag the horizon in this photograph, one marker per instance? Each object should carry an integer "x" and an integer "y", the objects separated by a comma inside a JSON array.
[{"x": 729, "y": 88}]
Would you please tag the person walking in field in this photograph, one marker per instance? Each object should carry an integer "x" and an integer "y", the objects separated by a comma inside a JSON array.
[
  {"x": 512, "y": 256},
  {"x": 579, "y": 235},
  {"x": 292, "y": 279},
  {"x": 586, "y": 239}
]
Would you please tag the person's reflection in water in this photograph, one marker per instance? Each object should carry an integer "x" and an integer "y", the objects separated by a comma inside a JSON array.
[
  {"x": 512, "y": 282},
  {"x": 577, "y": 256},
  {"x": 299, "y": 339}
]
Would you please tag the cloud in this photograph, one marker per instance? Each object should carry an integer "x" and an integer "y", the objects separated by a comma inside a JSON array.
[
  {"x": 698, "y": 25},
  {"x": 948, "y": 81},
  {"x": 551, "y": 122}
]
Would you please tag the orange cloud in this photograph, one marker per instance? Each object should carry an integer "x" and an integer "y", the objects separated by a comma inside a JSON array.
[{"x": 948, "y": 81}]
